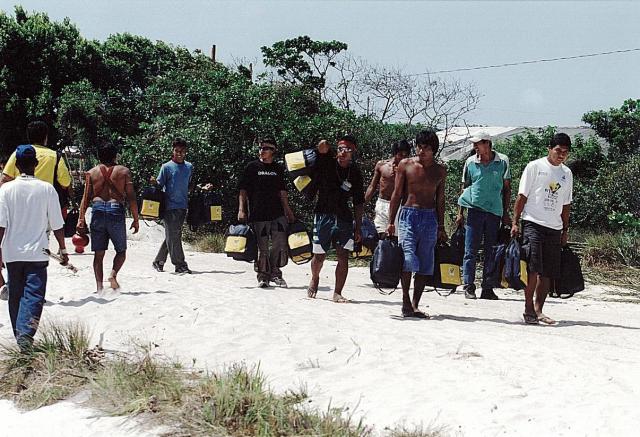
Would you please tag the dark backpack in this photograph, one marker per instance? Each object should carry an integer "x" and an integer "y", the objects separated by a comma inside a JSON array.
[
  {"x": 306, "y": 185},
  {"x": 240, "y": 243},
  {"x": 571, "y": 280},
  {"x": 204, "y": 207},
  {"x": 457, "y": 243},
  {"x": 386, "y": 265},
  {"x": 369, "y": 240},
  {"x": 515, "y": 266},
  {"x": 495, "y": 265},
  {"x": 301, "y": 163},
  {"x": 152, "y": 203},
  {"x": 447, "y": 269},
  {"x": 300, "y": 243}
]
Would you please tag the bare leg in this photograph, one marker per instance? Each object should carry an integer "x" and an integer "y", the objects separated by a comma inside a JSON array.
[
  {"x": 316, "y": 266},
  {"x": 541, "y": 291},
  {"x": 98, "y": 257},
  {"x": 342, "y": 269},
  {"x": 529, "y": 291},
  {"x": 407, "y": 307},
  {"x": 118, "y": 261},
  {"x": 418, "y": 287}
]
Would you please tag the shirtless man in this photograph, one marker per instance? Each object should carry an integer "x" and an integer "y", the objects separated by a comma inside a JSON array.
[
  {"x": 108, "y": 186},
  {"x": 420, "y": 181},
  {"x": 384, "y": 175}
]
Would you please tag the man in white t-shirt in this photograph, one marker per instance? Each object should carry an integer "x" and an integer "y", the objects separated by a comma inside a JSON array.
[
  {"x": 28, "y": 207},
  {"x": 544, "y": 202}
]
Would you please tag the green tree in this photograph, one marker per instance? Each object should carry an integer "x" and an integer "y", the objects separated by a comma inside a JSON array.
[
  {"x": 620, "y": 127},
  {"x": 302, "y": 60}
]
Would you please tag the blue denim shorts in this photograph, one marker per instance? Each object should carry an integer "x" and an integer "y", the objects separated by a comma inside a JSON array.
[
  {"x": 108, "y": 223},
  {"x": 328, "y": 230},
  {"x": 417, "y": 234}
]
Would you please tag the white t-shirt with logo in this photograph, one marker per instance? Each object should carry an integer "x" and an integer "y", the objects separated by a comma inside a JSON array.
[
  {"x": 28, "y": 207},
  {"x": 547, "y": 188}
]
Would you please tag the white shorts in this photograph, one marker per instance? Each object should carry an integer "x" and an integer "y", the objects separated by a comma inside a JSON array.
[{"x": 381, "y": 220}]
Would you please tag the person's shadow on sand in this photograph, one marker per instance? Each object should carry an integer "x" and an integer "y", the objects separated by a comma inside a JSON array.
[
  {"x": 560, "y": 324},
  {"x": 101, "y": 300}
]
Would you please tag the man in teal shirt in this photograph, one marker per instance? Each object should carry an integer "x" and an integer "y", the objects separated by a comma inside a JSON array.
[{"x": 486, "y": 194}]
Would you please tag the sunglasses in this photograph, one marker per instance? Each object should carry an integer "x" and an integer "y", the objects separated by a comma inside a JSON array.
[
  {"x": 345, "y": 150},
  {"x": 265, "y": 148}
]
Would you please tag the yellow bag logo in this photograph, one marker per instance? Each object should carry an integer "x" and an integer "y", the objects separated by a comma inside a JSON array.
[
  {"x": 150, "y": 208},
  {"x": 450, "y": 274},
  {"x": 216, "y": 213},
  {"x": 295, "y": 161},
  {"x": 301, "y": 182},
  {"x": 235, "y": 244},
  {"x": 302, "y": 257},
  {"x": 364, "y": 252},
  {"x": 299, "y": 239}
]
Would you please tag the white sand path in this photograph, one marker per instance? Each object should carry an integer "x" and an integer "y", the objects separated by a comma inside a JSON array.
[{"x": 474, "y": 368}]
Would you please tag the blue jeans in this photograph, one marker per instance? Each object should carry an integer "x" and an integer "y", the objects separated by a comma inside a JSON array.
[
  {"x": 479, "y": 225},
  {"x": 27, "y": 285},
  {"x": 108, "y": 223}
]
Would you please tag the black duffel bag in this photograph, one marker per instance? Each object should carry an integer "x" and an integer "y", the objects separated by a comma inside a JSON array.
[
  {"x": 240, "y": 243},
  {"x": 300, "y": 243},
  {"x": 447, "y": 269},
  {"x": 152, "y": 203},
  {"x": 571, "y": 280},
  {"x": 301, "y": 163},
  {"x": 386, "y": 265}
]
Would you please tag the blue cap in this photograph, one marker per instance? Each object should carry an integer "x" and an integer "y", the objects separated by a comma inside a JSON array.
[{"x": 25, "y": 151}]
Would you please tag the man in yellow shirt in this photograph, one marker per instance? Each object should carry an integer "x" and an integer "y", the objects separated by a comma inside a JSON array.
[{"x": 37, "y": 134}]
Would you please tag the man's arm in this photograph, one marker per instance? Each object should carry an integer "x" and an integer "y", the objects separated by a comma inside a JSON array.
[
  {"x": 396, "y": 197},
  {"x": 59, "y": 234},
  {"x": 2, "y": 283},
  {"x": 371, "y": 189},
  {"x": 442, "y": 234},
  {"x": 5, "y": 178},
  {"x": 243, "y": 203},
  {"x": 131, "y": 197},
  {"x": 81, "y": 227},
  {"x": 521, "y": 201},
  {"x": 506, "y": 201},
  {"x": 357, "y": 234},
  {"x": 284, "y": 200}
]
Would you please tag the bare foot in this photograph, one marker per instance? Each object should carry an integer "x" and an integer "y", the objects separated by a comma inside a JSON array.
[
  {"x": 312, "y": 289},
  {"x": 338, "y": 298},
  {"x": 546, "y": 319},
  {"x": 114, "y": 283},
  {"x": 98, "y": 289}
]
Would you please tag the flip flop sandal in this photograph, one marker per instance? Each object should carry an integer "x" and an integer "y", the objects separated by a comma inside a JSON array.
[
  {"x": 547, "y": 320},
  {"x": 530, "y": 319}
]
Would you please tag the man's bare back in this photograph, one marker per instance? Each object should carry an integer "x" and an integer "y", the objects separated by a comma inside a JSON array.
[
  {"x": 101, "y": 190},
  {"x": 421, "y": 184}
]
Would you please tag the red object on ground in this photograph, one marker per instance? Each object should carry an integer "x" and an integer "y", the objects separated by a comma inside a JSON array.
[{"x": 79, "y": 242}]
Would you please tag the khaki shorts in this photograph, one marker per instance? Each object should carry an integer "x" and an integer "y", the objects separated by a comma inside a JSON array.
[{"x": 381, "y": 220}]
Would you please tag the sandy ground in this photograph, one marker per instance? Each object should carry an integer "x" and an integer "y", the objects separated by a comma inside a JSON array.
[{"x": 474, "y": 369}]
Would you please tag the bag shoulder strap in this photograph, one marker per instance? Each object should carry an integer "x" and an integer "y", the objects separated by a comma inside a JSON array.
[{"x": 106, "y": 174}]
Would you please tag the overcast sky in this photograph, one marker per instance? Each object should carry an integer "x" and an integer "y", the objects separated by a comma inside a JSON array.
[{"x": 416, "y": 36}]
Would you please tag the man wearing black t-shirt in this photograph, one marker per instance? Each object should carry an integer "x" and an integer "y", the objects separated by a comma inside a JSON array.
[
  {"x": 264, "y": 204},
  {"x": 337, "y": 179}
]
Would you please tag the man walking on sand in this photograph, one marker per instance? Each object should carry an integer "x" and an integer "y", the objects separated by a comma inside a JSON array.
[
  {"x": 28, "y": 208},
  {"x": 486, "y": 194},
  {"x": 108, "y": 187},
  {"x": 384, "y": 176},
  {"x": 544, "y": 203},
  {"x": 175, "y": 179},
  {"x": 263, "y": 202},
  {"x": 338, "y": 180},
  {"x": 420, "y": 181}
]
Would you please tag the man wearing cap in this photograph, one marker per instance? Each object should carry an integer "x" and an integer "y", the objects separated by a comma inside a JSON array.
[
  {"x": 338, "y": 180},
  {"x": 28, "y": 207},
  {"x": 486, "y": 195},
  {"x": 384, "y": 176},
  {"x": 263, "y": 202}
]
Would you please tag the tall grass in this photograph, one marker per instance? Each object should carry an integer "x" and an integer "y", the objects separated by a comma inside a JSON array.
[{"x": 236, "y": 401}]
